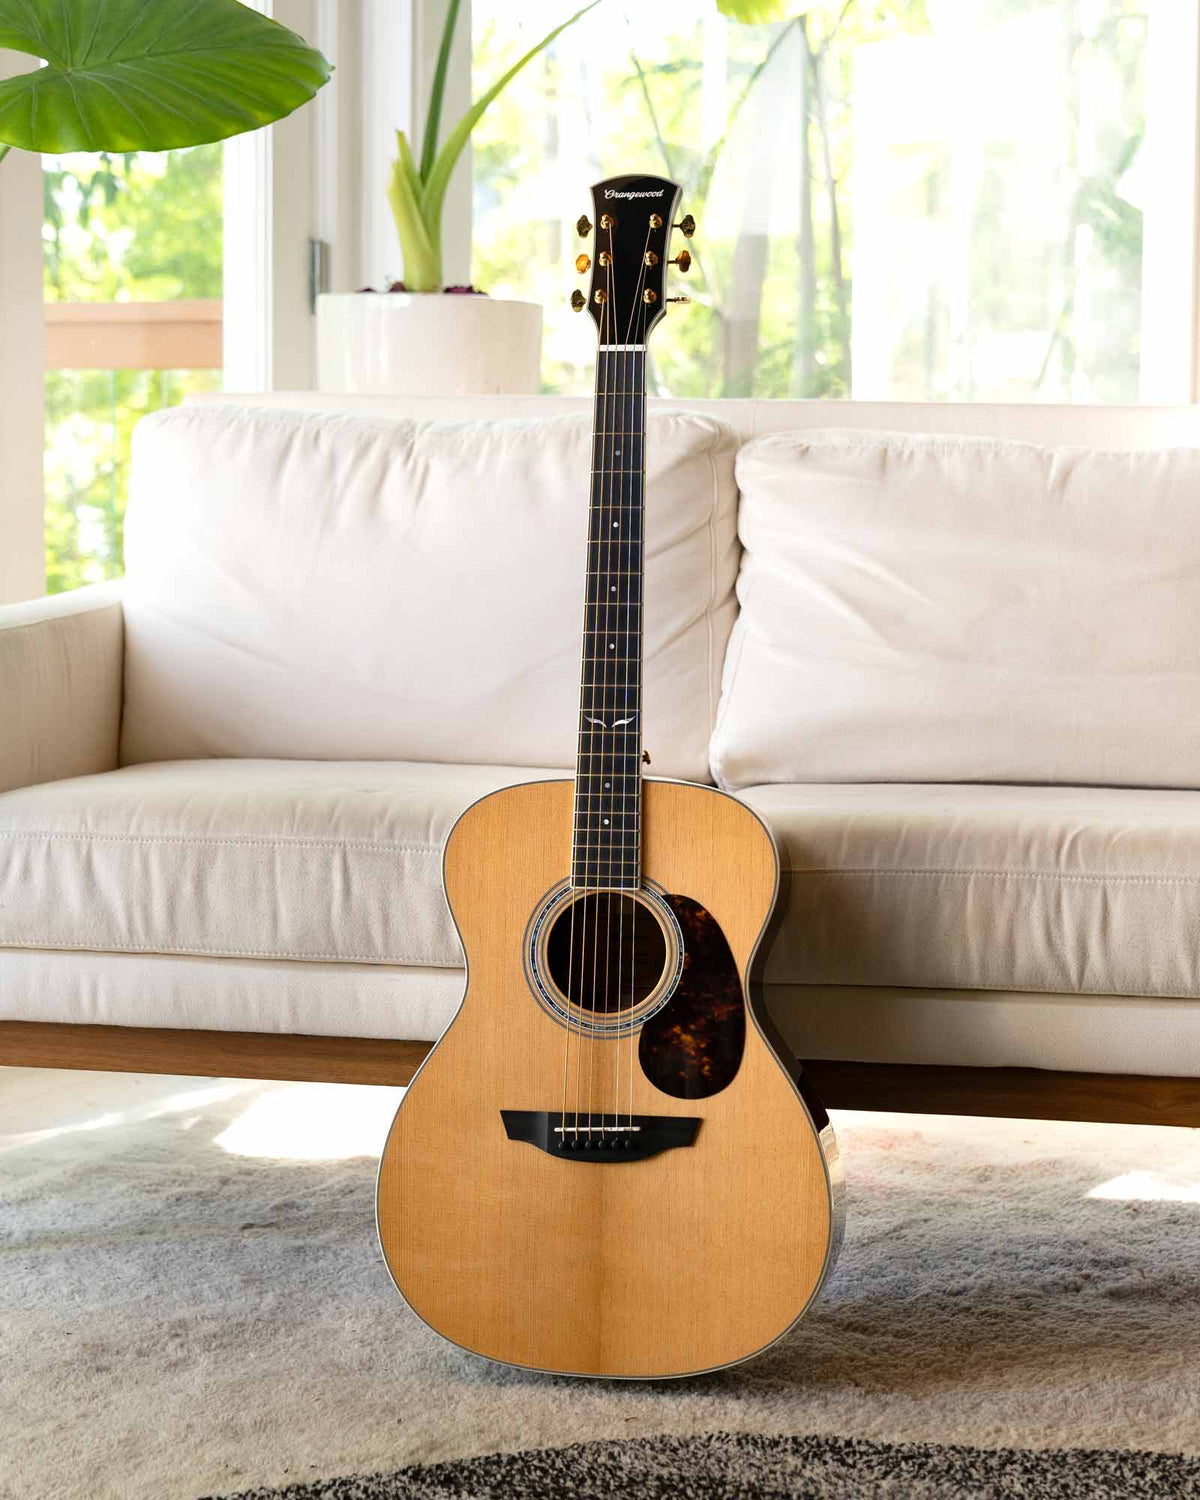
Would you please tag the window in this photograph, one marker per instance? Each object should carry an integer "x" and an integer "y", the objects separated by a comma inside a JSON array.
[
  {"x": 921, "y": 200},
  {"x": 133, "y": 323}
]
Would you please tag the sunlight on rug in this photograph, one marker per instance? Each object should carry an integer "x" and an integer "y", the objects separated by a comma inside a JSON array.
[
  {"x": 313, "y": 1122},
  {"x": 1148, "y": 1187}
]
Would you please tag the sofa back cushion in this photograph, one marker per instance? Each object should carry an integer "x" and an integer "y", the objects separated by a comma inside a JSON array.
[
  {"x": 958, "y": 609},
  {"x": 332, "y": 586}
]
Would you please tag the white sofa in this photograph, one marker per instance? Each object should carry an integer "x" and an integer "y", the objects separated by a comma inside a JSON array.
[{"x": 959, "y": 678}]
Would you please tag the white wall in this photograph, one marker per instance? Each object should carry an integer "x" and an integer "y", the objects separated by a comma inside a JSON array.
[{"x": 22, "y": 551}]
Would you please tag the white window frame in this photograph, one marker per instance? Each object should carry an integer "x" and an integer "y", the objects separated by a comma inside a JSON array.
[
  {"x": 1170, "y": 332},
  {"x": 22, "y": 363},
  {"x": 267, "y": 318}
]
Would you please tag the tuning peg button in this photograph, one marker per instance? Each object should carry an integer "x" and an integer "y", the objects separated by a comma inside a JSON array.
[
  {"x": 686, "y": 226},
  {"x": 582, "y": 262},
  {"x": 679, "y": 299},
  {"x": 578, "y": 301},
  {"x": 583, "y": 226},
  {"x": 683, "y": 260}
]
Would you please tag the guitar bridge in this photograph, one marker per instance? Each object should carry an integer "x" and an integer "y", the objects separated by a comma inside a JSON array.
[{"x": 596, "y": 1137}]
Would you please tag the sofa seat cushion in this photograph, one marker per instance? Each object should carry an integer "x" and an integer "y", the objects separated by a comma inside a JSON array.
[
  {"x": 1081, "y": 890},
  {"x": 259, "y": 859},
  {"x": 190, "y": 993},
  {"x": 338, "y": 587},
  {"x": 1052, "y": 889}
]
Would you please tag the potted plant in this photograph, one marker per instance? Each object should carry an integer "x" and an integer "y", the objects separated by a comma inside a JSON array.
[{"x": 420, "y": 337}]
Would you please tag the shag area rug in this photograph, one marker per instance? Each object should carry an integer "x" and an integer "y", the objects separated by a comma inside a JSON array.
[
  {"x": 736, "y": 1466},
  {"x": 192, "y": 1304}
]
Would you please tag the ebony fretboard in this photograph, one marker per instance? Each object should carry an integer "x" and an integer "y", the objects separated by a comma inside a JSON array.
[{"x": 606, "y": 849}]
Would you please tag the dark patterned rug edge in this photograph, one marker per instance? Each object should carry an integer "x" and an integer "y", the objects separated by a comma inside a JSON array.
[{"x": 747, "y": 1466}]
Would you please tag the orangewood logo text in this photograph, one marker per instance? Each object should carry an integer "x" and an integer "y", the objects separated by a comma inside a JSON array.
[{"x": 646, "y": 193}]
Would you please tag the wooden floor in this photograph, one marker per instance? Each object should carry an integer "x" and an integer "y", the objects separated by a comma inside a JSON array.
[{"x": 1015, "y": 1093}]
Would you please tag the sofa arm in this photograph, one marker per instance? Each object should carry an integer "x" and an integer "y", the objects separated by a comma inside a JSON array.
[{"x": 61, "y": 662}]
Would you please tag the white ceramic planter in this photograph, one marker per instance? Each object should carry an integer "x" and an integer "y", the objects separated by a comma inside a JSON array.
[{"x": 428, "y": 344}]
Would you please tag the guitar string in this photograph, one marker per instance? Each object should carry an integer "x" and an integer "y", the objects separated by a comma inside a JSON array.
[
  {"x": 610, "y": 714},
  {"x": 582, "y": 758},
  {"x": 587, "y": 737},
  {"x": 610, "y": 567},
  {"x": 636, "y": 428},
  {"x": 604, "y": 573},
  {"x": 618, "y": 801},
  {"x": 626, "y": 814},
  {"x": 626, "y": 385},
  {"x": 637, "y": 423},
  {"x": 620, "y": 807},
  {"x": 586, "y": 1032}
]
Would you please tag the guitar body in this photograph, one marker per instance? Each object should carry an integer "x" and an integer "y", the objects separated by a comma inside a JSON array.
[{"x": 619, "y": 1249}]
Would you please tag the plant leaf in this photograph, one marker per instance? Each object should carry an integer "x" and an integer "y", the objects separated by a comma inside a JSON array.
[
  {"x": 434, "y": 118},
  {"x": 404, "y": 153},
  {"x": 138, "y": 75},
  {"x": 438, "y": 180},
  {"x": 422, "y": 261},
  {"x": 760, "y": 12}
]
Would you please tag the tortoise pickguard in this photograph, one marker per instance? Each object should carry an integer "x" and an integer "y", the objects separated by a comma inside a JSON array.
[{"x": 692, "y": 1048}]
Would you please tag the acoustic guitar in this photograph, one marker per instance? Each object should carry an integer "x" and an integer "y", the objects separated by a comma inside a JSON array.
[{"x": 609, "y": 1165}]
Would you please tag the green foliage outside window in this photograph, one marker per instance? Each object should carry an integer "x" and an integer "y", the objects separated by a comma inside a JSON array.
[
  {"x": 992, "y": 311},
  {"x": 136, "y": 228}
]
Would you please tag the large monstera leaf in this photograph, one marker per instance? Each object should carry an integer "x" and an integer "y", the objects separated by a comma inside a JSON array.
[{"x": 148, "y": 75}]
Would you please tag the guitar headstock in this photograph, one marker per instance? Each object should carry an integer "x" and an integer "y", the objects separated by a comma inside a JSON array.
[{"x": 631, "y": 222}]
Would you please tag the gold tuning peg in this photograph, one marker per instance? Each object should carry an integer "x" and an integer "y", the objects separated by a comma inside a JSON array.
[
  {"x": 683, "y": 260},
  {"x": 679, "y": 299},
  {"x": 686, "y": 226},
  {"x": 582, "y": 262},
  {"x": 578, "y": 301},
  {"x": 583, "y": 226}
]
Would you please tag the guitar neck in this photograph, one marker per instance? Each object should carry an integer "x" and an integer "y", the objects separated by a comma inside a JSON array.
[{"x": 606, "y": 846}]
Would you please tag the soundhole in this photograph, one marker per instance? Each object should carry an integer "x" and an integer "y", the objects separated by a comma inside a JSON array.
[{"x": 606, "y": 953}]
